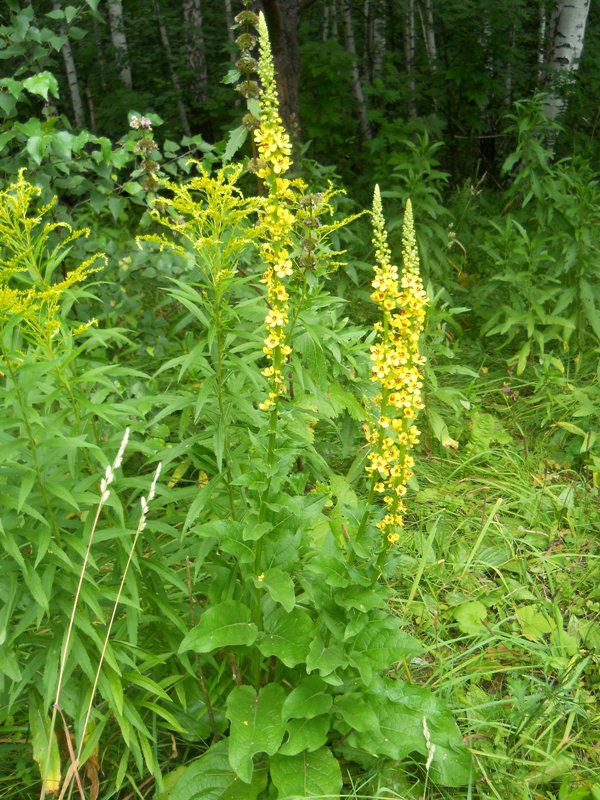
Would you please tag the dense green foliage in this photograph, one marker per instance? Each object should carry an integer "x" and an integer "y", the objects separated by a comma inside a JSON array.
[{"x": 196, "y": 599}]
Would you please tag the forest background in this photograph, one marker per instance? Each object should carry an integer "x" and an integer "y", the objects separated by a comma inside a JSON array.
[{"x": 482, "y": 114}]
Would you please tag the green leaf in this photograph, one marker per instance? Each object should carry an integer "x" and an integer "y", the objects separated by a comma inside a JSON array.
[
  {"x": 62, "y": 143},
  {"x": 470, "y": 616},
  {"x": 591, "y": 312},
  {"x": 287, "y": 636},
  {"x": 41, "y": 84},
  {"x": 307, "y": 775},
  {"x": 309, "y": 699},
  {"x": 381, "y": 645},
  {"x": 534, "y": 624},
  {"x": 400, "y": 710},
  {"x": 227, "y": 623},
  {"x": 45, "y": 746},
  {"x": 280, "y": 587},
  {"x": 305, "y": 734},
  {"x": 236, "y": 139},
  {"x": 256, "y": 725},
  {"x": 36, "y": 147},
  {"x": 211, "y": 778},
  {"x": 357, "y": 712},
  {"x": 325, "y": 658}
]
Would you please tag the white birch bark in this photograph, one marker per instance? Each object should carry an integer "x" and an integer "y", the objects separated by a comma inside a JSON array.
[
  {"x": 71, "y": 73},
  {"x": 194, "y": 48},
  {"x": 379, "y": 41},
  {"x": 427, "y": 24},
  {"x": 409, "y": 54},
  {"x": 567, "y": 30},
  {"x": 119, "y": 41},
  {"x": 361, "y": 102}
]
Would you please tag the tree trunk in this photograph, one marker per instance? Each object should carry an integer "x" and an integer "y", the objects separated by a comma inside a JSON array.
[
  {"x": 119, "y": 40},
  {"x": 379, "y": 41},
  {"x": 361, "y": 102},
  {"x": 567, "y": 30},
  {"x": 71, "y": 73},
  {"x": 164, "y": 38},
  {"x": 194, "y": 49},
  {"x": 409, "y": 54},
  {"x": 230, "y": 33},
  {"x": 427, "y": 24},
  {"x": 283, "y": 21}
]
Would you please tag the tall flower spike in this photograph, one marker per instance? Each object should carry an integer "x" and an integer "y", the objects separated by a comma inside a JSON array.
[
  {"x": 277, "y": 218},
  {"x": 396, "y": 364}
]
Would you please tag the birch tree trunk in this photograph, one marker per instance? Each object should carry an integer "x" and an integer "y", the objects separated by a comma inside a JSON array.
[
  {"x": 409, "y": 54},
  {"x": 361, "y": 102},
  {"x": 164, "y": 38},
  {"x": 119, "y": 41},
  {"x": 567, "y": 30},
  {"x": 71, "y": 73},
  {"x": 427, "y": 24},
  {"x": 379, "y": 40},
  {"x": 194, "y": 49}
]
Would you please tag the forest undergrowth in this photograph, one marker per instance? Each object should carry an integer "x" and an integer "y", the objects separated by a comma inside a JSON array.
[{"x": 297, "y": 500}]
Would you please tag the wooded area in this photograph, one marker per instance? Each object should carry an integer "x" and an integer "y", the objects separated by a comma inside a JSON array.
[{"x": 300, "y": 381}]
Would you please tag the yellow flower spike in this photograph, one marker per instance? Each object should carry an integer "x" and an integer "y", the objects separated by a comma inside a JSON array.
[
  {"x": 277, "y": 219},
  {"x": 395, "y": 367}
]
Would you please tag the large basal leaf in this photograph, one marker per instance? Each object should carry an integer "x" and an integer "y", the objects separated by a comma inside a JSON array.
[
  {"x": 307, "y": 775},
  {"x": 211, "y": 778},
  {"x": 400, "y": 710},
  {"x": 227, "y": 623},
  {"x": 256, "y": 725},
  {"x": 287, "y": 636},
  {"x": 381, "y": 645}
]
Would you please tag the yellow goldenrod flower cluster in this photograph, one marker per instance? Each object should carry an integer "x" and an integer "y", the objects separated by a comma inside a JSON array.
[
  {"x": 26, "y": 250},
  {"x": 396, "y": 364},
  {"x": 277, "y": 218}
]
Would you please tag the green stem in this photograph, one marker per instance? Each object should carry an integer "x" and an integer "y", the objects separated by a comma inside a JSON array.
[{"x": 221, "y": 403}]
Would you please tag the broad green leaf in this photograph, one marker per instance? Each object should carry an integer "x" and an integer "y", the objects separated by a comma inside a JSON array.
[
  {"x": 381, "y": 645},
  {"x": 357, "y": 712},
  {"x": 36, "y": 147},
  {"x": 41, "y": 84},
  {"x": 325, "y": 657},
  {"x": 470, "y": 616},
  {"x": 211, "y": 778},
  {"x": 309, "y": 699},
  {"x": 226, "y": 624},
  {"x": 534, "y": 624},
  {"x": 307, "y": 775},
  {"x": 400, "y": 710},
  {"x": 287, "y": 636},
  {"x": 280, "y": 587},
  {"x": 45, "y": 746},
  {"x": 256, "y": 725},
  {"x": 305, "y": 734}
]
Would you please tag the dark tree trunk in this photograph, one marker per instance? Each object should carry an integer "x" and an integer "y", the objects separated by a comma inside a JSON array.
[{"x": 283, "y": 21}]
